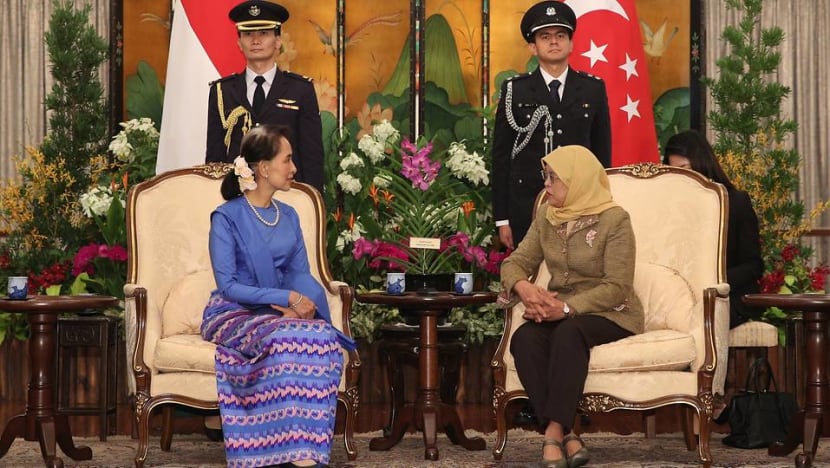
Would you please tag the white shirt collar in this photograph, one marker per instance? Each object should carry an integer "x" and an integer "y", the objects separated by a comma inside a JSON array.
[
  {"x": 269, "y": 75},
  {"x": 548, "y": 78}
]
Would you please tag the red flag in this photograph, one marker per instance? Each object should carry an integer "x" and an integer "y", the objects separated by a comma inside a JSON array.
[
  {"x": 607, "y": 44},
  {"x": 202, "y": 48}
]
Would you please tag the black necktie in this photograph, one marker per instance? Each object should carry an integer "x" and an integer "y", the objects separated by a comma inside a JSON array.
[
  {"x": 259, "y": 94},
  {"x": 554, "y": 90}
]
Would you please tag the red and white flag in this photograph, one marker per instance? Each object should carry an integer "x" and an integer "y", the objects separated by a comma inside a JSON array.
[
  {"x": 202, "y": 48},
  {"x": 607, "y": 44}
]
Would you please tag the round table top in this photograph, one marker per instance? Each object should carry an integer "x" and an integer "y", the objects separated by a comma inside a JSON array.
[
  {"x": 795, "y": 302},
  {"x": 56, "y": 304},
  {"x": 439, "y": 300}
]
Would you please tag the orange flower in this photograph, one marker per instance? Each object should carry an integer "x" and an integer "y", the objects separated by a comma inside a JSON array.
[
  {"x": 351, "y": 221},
  {"x": 373, "y": 193},
  {"x": 468, "y": 207},
  {"x": 338, "y": 215}
]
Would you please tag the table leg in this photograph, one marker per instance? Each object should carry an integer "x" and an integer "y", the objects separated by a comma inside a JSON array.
[
  {"x": 16, "y": 427},
  {"x": 455, "y": 432},
  {"x": 64, "y": 439},
  {"x": 399, "y": 426},
  {"x": 428, "y": 400}
]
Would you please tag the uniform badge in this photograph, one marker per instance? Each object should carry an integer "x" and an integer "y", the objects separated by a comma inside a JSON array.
[
  {"x": 287, "y": 101},
  {"x": 550, "y": 11},
  {"x": 254, "y": 10}
]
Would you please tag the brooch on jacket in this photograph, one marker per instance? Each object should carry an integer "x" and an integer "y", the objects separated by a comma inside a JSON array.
[{"x": 590, "y": 236}]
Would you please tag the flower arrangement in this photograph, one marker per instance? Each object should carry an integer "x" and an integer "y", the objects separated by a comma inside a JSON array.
[
  {"x": 405, "y": 192},
  {"x": 136, "y": 146},
  {"x": 791, "y": 273},
  {"x": 389, "y": 190}
]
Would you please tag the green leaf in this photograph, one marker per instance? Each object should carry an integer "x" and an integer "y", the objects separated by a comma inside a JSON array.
[
  {"x": 79, "y": 285},
  {"x": 145, "y": 94},
  {"x": 54, "y": 290}
]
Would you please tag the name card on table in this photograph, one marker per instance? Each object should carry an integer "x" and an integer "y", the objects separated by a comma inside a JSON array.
[{"x": 433, "y": 243}]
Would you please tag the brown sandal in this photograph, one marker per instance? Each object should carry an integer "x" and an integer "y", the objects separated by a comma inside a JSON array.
[{"x": 581, "y": 456}]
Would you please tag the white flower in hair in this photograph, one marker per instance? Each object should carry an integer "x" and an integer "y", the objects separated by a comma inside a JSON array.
[{"x": 244, "y": 173}]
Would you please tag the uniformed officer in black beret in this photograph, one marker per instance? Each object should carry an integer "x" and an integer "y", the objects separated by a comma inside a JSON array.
[
  {"x": 553, "y": 106},
  {"x": 264, "y": 94}
]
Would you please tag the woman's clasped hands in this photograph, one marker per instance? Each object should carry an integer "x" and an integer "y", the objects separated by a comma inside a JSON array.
[
  {"x": 540, "y": 304},
  {"x": 301, "y": 307}
]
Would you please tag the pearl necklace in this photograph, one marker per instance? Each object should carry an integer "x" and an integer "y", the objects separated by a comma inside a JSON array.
[{"x": 259, "y": 216}]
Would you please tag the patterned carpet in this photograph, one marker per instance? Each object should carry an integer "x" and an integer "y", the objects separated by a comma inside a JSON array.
[{"x": 608, "y": 450}]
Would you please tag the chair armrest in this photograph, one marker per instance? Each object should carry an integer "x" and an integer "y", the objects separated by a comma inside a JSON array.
[
  {"x": 135, "y": 326},
  {"x": 712, "y": 374},
  {"x": 346, "y": 294}
]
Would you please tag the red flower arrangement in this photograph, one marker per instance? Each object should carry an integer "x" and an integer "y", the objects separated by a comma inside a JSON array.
[
  {"x": 792, "y": 274},
  {"x": 103, "y": 268}
]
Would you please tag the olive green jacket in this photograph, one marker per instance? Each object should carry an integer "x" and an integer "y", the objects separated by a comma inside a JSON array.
[{"x": 592, "y": 269}]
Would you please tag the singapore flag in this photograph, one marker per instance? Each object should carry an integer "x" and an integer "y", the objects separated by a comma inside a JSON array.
[
  {"x": 202, "y": 48},
  {"x": 607, "y": 44}
]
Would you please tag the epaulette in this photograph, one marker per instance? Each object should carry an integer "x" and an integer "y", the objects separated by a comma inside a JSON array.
[
  {"x": 297, "y": 76},
  {"x": 587, "y": 75},
  {"x": 519, "y": 76},
  {"x": 224, "y": 78}
]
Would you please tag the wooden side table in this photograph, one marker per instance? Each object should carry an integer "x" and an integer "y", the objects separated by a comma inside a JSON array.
[
  {"x": 806, "y": 425},
  {"x": 40, "y": 421},
  {"x": 97, "y": 335},
  {"x": 398, "y": 346},
  {"x": 428, "y": 413}
]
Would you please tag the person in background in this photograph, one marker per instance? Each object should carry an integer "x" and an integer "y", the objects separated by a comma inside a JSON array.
[
  {"x": 278, "y": 357},
  {"x": 744, "y": 264},
  {"x": 553, "y": 106},
  {"x": 587, "y": 242},
  {"x": 264, "y": 94}
]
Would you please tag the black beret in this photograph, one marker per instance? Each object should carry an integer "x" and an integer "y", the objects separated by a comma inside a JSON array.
[
  {"x": 255, "y": 15},
  {"x": 547, "y": 14}
]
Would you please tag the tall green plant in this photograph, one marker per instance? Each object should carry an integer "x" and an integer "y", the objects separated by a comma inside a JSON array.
[
  {"x": 751, "y": 133},
  {"x": 76, "y": 105}
]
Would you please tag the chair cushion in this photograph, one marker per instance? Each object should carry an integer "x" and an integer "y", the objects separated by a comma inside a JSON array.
[
  {"x": 182, "y": 311},
  {"x": 667, "y": 298},
  {"x": 668, "y": 304},
  {"x": 752, "y": 335},
  {"x": 181, "y": 353},
  {"x": 649, "y": 351}
]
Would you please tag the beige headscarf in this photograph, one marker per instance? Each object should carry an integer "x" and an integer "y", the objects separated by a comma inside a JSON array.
[{"x": 589, "y": 191}]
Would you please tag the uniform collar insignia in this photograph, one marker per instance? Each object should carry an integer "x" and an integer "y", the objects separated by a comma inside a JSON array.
[{"x": 287, "y": 101}]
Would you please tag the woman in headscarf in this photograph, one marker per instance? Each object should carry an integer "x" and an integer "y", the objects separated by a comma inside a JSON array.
[{"x": 587, "y": 243}]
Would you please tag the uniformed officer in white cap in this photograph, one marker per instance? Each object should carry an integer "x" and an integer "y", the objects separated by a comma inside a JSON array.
[
  {"x": 262, "y": 93},
  {"x": 553, "y": 106}
]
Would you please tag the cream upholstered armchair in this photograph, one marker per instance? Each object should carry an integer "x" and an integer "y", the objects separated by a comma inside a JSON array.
[
  {"x": 679, "y": 221},
  {"x": 169, "y": 281}
]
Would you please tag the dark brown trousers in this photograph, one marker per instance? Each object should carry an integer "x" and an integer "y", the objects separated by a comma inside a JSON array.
[{"x": 552, "y": 362}]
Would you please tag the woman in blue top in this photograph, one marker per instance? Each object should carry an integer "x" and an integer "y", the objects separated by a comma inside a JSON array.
[{"x": 278, "y": 359}]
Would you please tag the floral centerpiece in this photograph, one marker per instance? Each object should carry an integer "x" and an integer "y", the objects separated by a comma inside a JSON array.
[
  {"x": 395, "y": 193},
  {"x": 791, "y": 273},
  {"x": 415, "y": 193}
]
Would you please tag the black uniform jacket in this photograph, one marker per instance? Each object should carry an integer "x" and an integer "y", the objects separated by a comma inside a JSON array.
[
  {"x": 291, "y": 101},
  {"x": 581, "y": 118}
]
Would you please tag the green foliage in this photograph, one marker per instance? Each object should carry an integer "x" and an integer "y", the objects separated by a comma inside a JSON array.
[
  {"x": 752, "y": 147},
  {"x": 751, "y": 134},
  {"x": 145, "y": 94},
  {"x": 77, "y": 108},
  {"x": 671, "y": 114}
]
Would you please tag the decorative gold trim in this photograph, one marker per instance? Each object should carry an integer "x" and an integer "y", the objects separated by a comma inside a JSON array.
[
  {"x": 599, "y": 403},
  {"x": 642, "y": 170}
]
